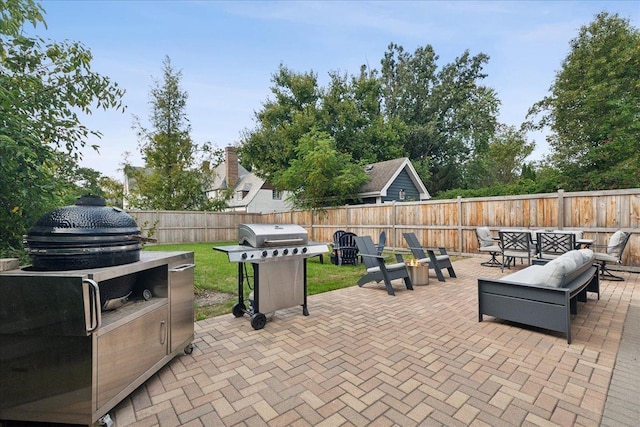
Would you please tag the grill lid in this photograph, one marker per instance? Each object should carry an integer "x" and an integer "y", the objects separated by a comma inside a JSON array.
[{"x": 268, "y": 235}]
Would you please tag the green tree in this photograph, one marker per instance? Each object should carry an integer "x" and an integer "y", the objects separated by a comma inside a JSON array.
[
  {"x": 352, "y": 114},
  {"x": 593, "y": 110},
  {"x": 271, "y": 146},
  {"x": 170, "y": 180},
  {"x": 44, "y": 88},
  {"x": 320, "y": 176},
  {"x": 502, "y": 162},
  {"x": 449, "y": 114}
]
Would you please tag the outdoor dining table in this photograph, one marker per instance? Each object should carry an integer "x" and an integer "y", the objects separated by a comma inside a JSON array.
[{"x": 584, "y": 243}]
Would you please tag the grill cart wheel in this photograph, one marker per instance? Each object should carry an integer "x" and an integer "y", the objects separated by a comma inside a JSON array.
[
  {"x": 189, "y": 349},
  {"x": 258, "y": 321},
  {"x": 238, "y": 309}
]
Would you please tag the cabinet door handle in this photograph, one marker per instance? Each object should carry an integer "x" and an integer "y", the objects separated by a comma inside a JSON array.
[
  {"x": 182, "y": 267},
  {"x": 163, "y": 332},
  {"x": 95, "y": 312}
]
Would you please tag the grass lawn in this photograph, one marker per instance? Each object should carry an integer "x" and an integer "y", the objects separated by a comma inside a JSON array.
[{"x": 215, "y": 273}]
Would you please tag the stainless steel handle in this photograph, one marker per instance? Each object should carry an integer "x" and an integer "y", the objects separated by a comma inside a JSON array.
[
  {"x": 182, "y": 267},
  {"x": 95, "y": 313},
  {"x": 163, "y": 332},
  {"x": 283, "y": 241}
]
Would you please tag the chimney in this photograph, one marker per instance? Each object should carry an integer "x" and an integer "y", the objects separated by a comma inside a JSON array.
[{"x": 231, "y": 164}]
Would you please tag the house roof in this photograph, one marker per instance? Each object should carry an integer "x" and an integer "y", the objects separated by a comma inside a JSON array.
[
  {"x": 251, "y": 184},
  {"x": 383, "y": 174},
  {"x": 220, "y": 178}
]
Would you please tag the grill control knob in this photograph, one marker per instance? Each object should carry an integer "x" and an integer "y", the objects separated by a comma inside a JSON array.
[
  {"x": 264, "y": 254},
  {"x": 295, "y": 251},
  {"x": 285, "y": 252},
  {"x": 304, "y": 250},
  {"x": 244, "y": 255},
  {"x": 275, "y": 252}
]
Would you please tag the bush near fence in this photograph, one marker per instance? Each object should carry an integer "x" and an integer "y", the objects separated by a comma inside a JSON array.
[{"x": 450, "y": 223}]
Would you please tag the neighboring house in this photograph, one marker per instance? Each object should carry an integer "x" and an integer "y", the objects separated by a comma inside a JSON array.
[
  {"x": 392, "y": 180},
  {"x": 251, "y": 193}
]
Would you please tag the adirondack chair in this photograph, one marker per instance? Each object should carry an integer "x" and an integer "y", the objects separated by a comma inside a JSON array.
[
  {"x": 382, "y": 240},
  {"x": 436, "y": 261},
  {"x": 336, "y": 246},
  {"x": 377, "y": 270},
  {"x": 348, "y": 251}
]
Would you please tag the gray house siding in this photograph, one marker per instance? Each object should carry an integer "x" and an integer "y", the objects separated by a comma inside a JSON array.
[{"x": 402, "y": 182}]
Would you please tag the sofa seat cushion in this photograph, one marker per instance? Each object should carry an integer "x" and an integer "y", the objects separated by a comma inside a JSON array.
[{"x": 390, "y": 267}]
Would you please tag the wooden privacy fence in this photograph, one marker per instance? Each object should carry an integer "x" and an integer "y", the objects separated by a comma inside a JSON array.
[{"x": 450, "y": 223}]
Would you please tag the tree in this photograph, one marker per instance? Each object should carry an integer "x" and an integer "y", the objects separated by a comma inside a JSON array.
[
  {"x": 271, "y": 146},
  {"x": 593, "y": 108},
  {"x": 320, "y": 176},
  {"x": 502, "y": 162},
  {"x": 351, "y": 112},
  {"x": 44, "y": 87},
  {"x": 449, "y": 114},
  {"x": 170, "y": 179}
]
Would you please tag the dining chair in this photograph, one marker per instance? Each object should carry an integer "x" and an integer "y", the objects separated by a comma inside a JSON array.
[
  {"x": 487, "y": 244},
  {"x": 551, "y": 245},
  {"x": 613, "y": 254},
  {"x": 516, "y": 244}
]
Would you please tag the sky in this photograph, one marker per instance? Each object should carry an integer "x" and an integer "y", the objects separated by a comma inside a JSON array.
[{"x": 228, "y": 51}]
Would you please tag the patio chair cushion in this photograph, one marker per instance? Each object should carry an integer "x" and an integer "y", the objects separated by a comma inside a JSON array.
[
  {"x": 613, "y": 248},
  {"x": 484, "y": 237}
]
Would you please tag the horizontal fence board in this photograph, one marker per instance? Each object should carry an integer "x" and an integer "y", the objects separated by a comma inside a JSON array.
[{"x": 450, "y": 223}]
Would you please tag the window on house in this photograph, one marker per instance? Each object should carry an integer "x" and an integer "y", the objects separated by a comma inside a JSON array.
[
  {"x": 276, "y": 195},
  {"x": 239, "y": 195},
  {"x": 401, "y": 194}
]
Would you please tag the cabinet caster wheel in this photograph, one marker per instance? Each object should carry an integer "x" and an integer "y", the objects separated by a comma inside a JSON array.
[
  {"x": 258, "y": 321},
  {"x": 238, "y": 309},
  {"x": 189, "y": 349}
]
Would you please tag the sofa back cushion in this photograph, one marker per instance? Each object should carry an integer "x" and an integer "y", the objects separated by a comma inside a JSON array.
[
  {"x": 558, "y": 268},
  {"x": 553, "y": 273}
]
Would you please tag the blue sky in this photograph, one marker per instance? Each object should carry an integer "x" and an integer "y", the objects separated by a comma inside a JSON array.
[{"x": 228, "y": 50}]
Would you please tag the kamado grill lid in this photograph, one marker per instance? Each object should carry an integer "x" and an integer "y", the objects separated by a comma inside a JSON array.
[
  {"x": 88, "y": 217},
  {"x": 88, "y": 234}
]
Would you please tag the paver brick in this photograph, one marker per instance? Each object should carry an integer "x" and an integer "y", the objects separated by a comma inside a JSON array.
[{"x": 361, "y": 358}]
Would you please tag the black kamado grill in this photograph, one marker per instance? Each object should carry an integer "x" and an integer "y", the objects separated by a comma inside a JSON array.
[
  {"x": 85, "y": 236},
  {"x": 278, "y": 256},
  {"x": 88, "y": 234}
]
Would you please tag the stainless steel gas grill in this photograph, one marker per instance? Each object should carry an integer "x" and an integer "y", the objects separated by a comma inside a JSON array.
[{"x": 277, "y": 254}]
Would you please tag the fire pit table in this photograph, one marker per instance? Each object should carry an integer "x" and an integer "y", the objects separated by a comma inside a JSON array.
[{"x": 418, "y": 273}]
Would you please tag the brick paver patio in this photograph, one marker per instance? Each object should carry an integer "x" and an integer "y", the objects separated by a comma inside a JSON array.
[{"x": 363, "y": 357}]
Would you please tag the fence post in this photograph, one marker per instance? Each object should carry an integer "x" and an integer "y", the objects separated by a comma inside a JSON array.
[
  {"x": 560, "y": 209},
  {"x": 460, "y": 239}
]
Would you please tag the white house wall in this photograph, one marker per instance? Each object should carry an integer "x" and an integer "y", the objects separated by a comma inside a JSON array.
[{"x": 263, "y": 202}]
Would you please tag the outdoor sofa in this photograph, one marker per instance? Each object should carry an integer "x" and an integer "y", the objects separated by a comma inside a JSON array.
[{"x": 543, "y": 295}]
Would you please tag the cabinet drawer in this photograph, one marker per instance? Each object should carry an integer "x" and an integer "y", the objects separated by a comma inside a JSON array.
[{"x": 126, "y": 352}]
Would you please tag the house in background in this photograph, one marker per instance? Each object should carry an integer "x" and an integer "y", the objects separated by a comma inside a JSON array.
[
  {"x": 392, "y": 180},
  {"x": 251, "y": 194}
]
